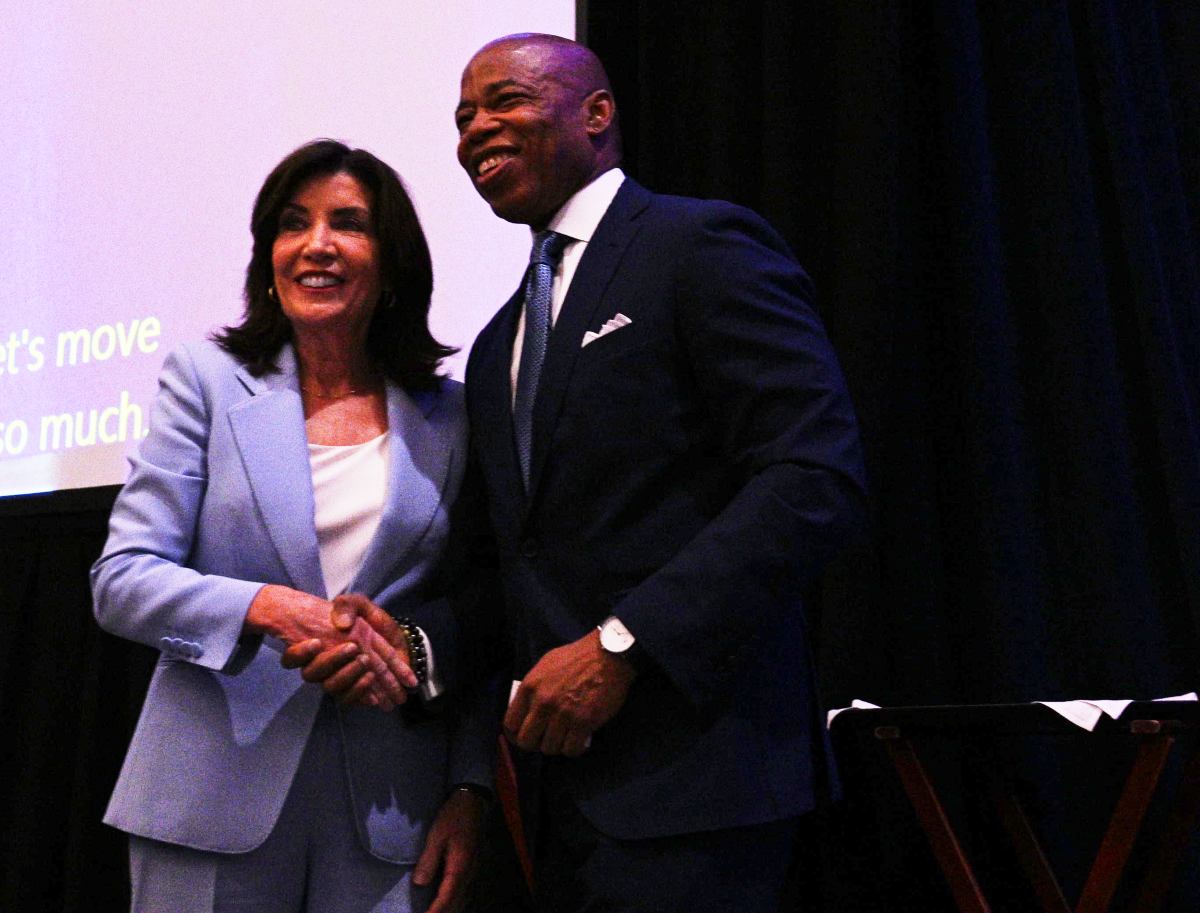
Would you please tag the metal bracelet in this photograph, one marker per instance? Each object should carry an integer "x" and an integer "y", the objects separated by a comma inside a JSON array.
[{"x": 418, "y": 658}]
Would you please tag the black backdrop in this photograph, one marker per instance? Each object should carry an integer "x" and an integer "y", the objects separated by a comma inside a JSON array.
[{"x": 999, "y": 203}]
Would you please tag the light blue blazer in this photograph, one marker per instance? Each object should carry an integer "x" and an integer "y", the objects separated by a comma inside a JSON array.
[{"x": 219, "y": 502}]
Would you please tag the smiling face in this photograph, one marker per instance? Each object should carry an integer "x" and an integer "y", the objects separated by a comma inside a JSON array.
[
  {"x": 325, "y": 257},
  {"x": 530, "y": 129}
]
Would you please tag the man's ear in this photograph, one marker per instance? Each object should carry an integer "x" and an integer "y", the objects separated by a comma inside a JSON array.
[{"x": 599, "y": 109}]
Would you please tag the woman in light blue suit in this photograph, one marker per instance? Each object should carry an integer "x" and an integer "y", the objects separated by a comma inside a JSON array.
[{"x": 309, "y": 452}]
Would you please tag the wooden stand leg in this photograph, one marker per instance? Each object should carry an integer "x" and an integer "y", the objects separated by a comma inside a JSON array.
[
  {"x": 1178, "y": 827},
  {"x": 1126, "y": 820},
  {"x": 1028, "y": 849},
  {"x": 946, "y": 849}
]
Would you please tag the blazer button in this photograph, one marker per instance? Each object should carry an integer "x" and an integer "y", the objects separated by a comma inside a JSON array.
[{"x": 529, "y": 548}]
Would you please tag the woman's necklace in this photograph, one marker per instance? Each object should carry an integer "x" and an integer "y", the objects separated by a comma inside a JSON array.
[{"x": 341, "y": 394}]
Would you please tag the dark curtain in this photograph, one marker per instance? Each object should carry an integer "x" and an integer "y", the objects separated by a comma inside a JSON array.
[
  {"x": 69, "y": 696},
  {"x": 999, "y": 203}
]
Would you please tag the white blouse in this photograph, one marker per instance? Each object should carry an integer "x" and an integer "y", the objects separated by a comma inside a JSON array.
[{"x": 349, "y": 489}]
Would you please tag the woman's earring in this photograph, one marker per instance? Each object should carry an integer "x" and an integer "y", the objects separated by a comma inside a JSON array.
[{"x": 271, "y": 292}]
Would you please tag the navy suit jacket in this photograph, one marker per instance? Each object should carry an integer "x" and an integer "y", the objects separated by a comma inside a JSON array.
[
  {"x": 691, "y": 473},
  {"x": 219, "y": 502}
]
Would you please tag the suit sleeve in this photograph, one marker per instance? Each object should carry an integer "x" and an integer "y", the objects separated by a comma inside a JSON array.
[
  {"x": 476, "y": 601},
  {"x": 463, "y": 626},
  {"x": 463, "y": 623},
  {"x": 474, "y": 734},
  {"x": 141, "y": 587},
  {"x": 785, "y": 429}
]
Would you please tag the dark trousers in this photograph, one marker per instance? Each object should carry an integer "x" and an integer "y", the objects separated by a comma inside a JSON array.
[{"x": 580, "y": 870}]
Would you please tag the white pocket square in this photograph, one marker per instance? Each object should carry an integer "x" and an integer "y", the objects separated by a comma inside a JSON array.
[{"x": 620, "y": 320}]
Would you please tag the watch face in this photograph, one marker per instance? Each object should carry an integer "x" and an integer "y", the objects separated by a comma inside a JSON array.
[{"x": 615, "y": 637}]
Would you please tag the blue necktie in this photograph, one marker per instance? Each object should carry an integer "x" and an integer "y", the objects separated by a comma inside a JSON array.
[{"x": 547, "y": 251}]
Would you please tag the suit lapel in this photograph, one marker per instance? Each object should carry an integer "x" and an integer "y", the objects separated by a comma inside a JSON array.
[
  {"x": 272, "y": 442},
  {"x": 491, "y": 393},
  {"x": 419, "y": 461},
  {"x": 596, "y": 269}
]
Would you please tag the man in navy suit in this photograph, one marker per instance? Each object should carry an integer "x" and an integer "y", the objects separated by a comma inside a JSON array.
[{"x": 665, "y": 474}]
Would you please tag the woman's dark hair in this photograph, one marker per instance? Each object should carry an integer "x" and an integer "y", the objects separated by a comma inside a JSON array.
[{"x": 399, "y": 343}]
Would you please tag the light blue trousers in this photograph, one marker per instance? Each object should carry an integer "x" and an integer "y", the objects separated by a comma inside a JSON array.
[{"x": 312, "y": 862}]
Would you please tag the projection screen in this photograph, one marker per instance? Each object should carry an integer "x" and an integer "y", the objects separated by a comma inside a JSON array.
[{"x": 136, "y": 137}]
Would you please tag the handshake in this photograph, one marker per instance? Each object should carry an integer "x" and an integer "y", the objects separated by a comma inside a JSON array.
[{"x": 351, "y": 647}]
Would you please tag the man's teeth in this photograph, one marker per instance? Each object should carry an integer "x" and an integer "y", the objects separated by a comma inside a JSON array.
[
  {"x": 318, "y": 281},
  {"x": 492, "y": 161}
]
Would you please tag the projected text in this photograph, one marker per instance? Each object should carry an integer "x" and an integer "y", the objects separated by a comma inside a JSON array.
[{"x": 98, "y": 413}]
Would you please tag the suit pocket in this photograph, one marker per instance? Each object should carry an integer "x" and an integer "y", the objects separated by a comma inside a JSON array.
[
  {"x": 612, "y": 345},
  {"x": 397, "y": 774}
]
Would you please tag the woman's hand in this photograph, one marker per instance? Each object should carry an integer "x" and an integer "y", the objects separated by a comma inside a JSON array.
[
  {"x": 345, "y": 632},
  {"x": 339, "y": 669},
  {"x": 452, "y": 848}
]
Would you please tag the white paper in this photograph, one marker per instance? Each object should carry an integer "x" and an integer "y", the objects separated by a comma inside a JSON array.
[{"x": 855, "y": 704}]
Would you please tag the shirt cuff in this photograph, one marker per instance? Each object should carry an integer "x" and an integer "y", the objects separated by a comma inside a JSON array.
[{"x": 433, "y": 686}]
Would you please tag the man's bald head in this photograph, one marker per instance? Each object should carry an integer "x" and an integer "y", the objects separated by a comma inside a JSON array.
[
  {"x": 567, "y": 61},
  {"x": 536, "y": 122}
]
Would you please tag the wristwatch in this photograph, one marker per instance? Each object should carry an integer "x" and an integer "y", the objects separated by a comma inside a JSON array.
[
  {"x": 618, "y": 640},
  {"x": 614, "y": 636}
]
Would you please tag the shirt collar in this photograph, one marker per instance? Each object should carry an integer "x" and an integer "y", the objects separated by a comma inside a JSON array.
[{"x": 580, "y": 215}]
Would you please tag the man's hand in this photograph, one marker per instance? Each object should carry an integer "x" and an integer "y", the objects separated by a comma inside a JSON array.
[
  {"x": 452, "y": 848},
  {"x": 372, "y": 651},
  {"x": 571, "y": 692}
]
